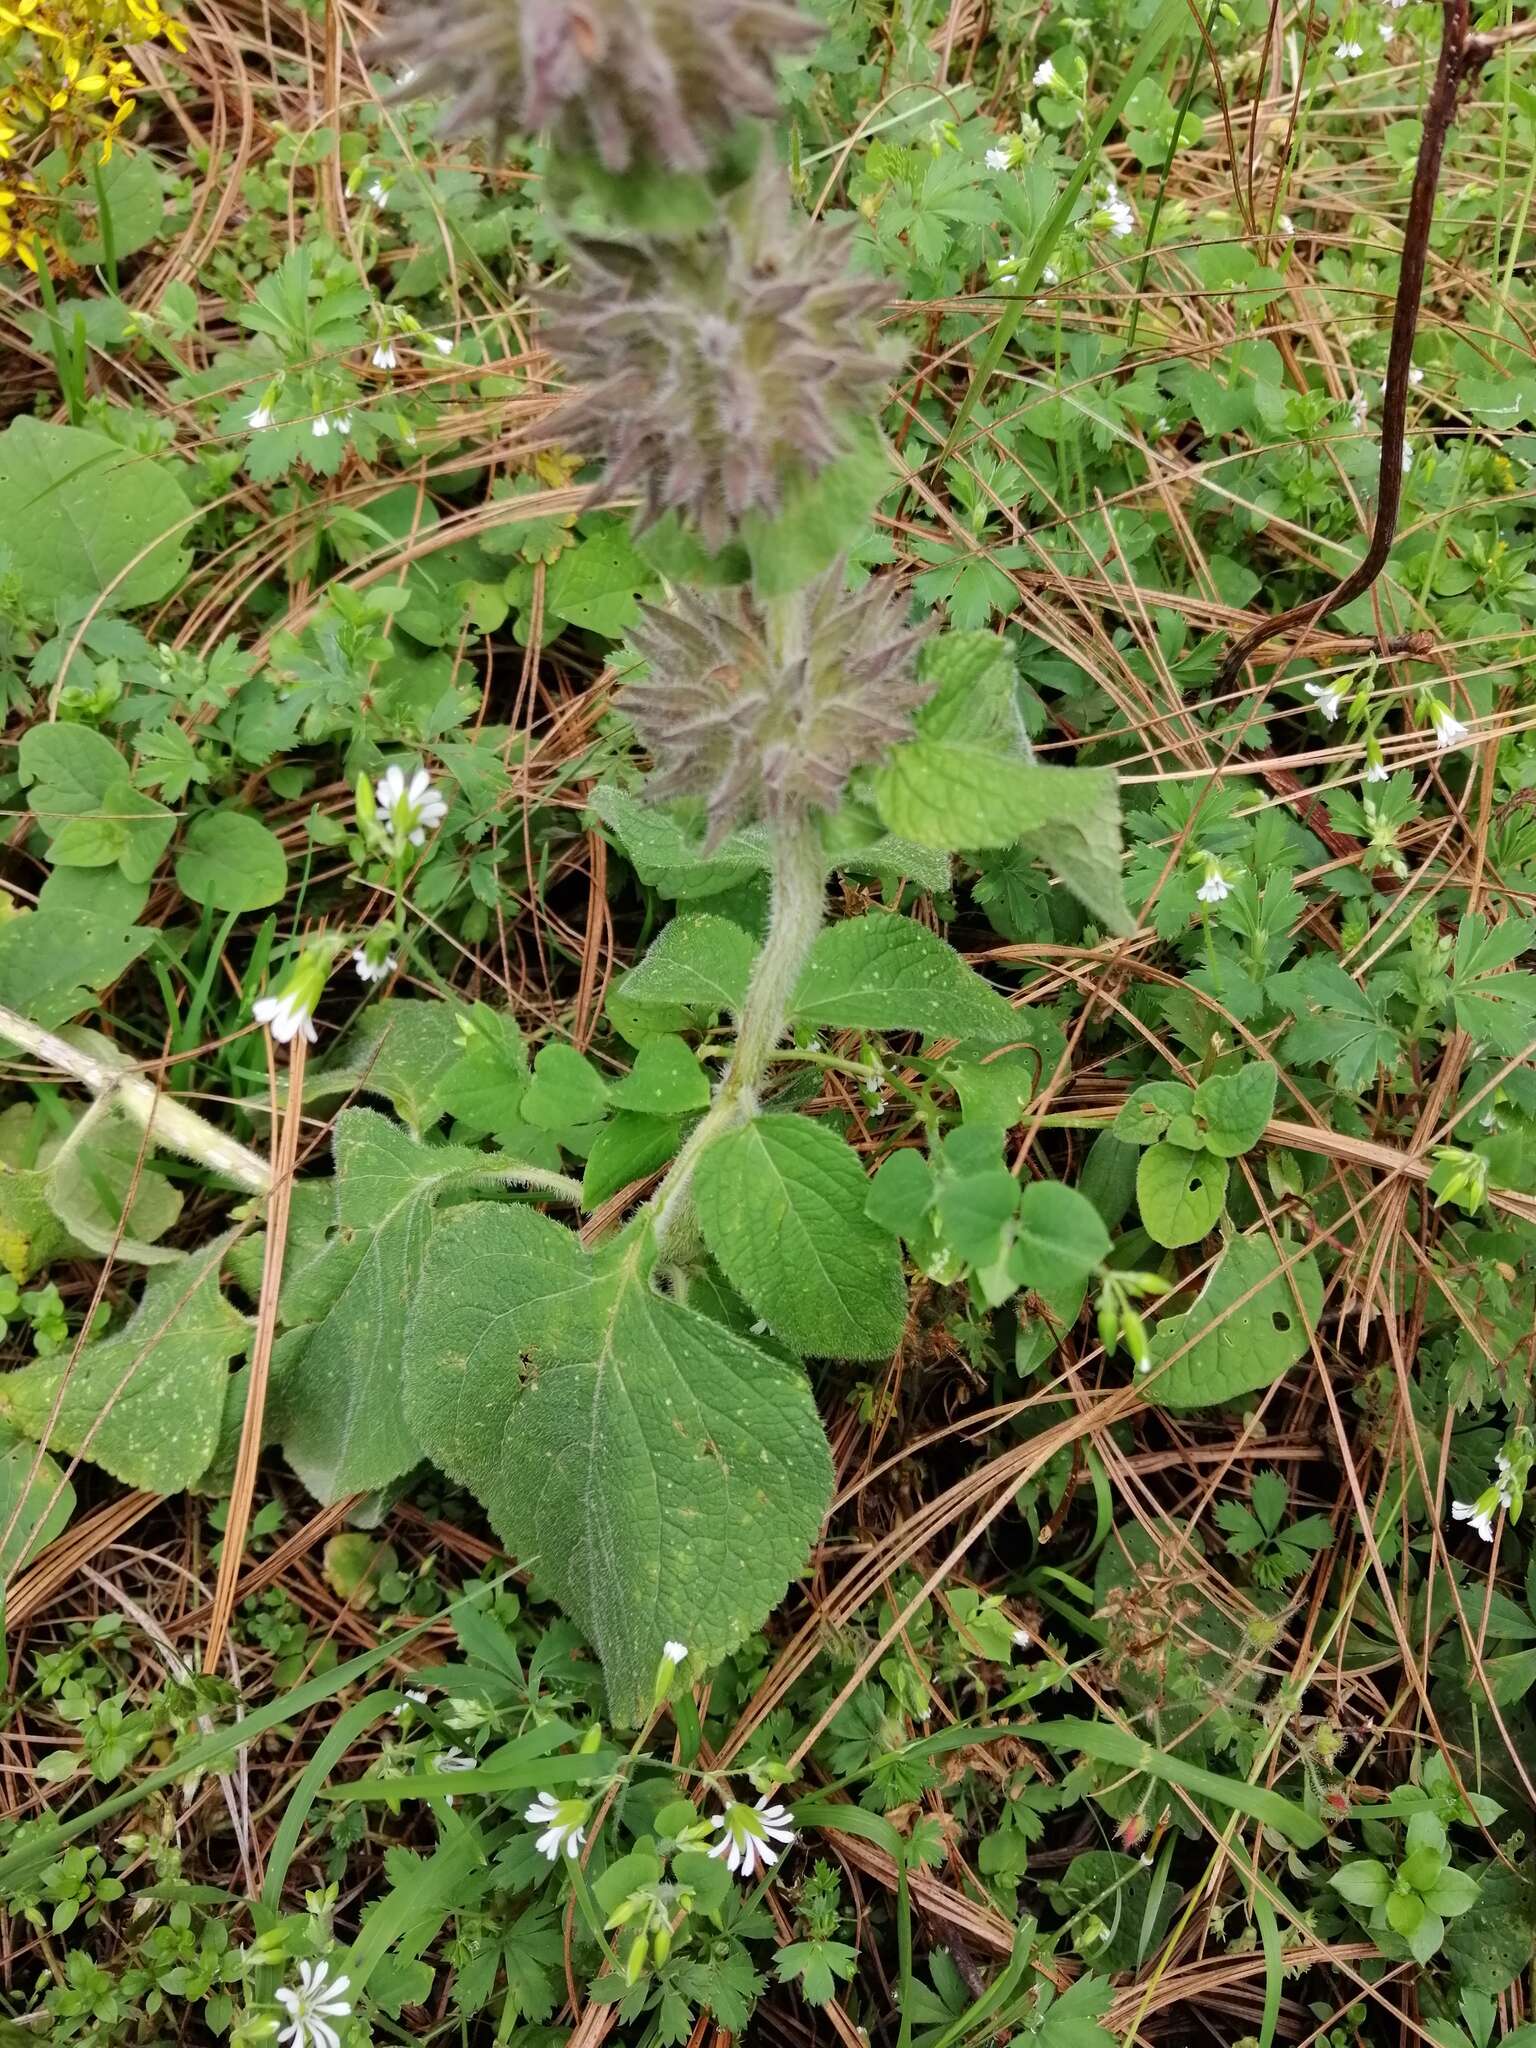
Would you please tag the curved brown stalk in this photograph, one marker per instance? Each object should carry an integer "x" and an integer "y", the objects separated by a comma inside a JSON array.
[{"x": 1462, "y": 56}]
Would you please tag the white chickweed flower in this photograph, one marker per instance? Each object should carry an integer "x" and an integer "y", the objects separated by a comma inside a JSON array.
[
  {"x": 453, "y": 1760},
  {"x": 1348, "y": 52},
  {"x": 1415, "y": 375},
  {"x": 286, "y": 1016},
  {"x": 563, "y": 1822},
  {"x": 1045, "y": 74},
  {"x": 1329, "y": 701},
  {"x": 675, "y": 1653},
  {"x": 318, "y": 1999},
  {"x": 1449, "y": 729},
  {"x": 1476, "y": 1515},
  {"x": 1286, "y": 226},
  {"x": 410, "y": 809},
  {"x": 1021, "y": 1639},
  {"x": 320, "y": 427},
  {"x": 1376, "y": 771},
  {"x": 371, "y": 968},
  {"x": 1359, "y": 406},
  {"x": 260, "y": 419},
  {"x": 997, "y": 159},
  {"x": 442, "y": 344},
  {"x": 749, "y": 1833},
  {"x": 344, "y": 423},
  {"x": 384, "y": 357},
  {"x": 1118, "y": 217},
  {"x": 377, "y": 190}
]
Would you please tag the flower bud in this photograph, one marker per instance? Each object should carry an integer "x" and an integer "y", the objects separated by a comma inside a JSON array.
[{"x": 635, "y": 1961}]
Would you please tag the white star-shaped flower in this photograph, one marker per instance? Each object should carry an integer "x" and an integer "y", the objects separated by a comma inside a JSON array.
[
  {"x": 1118, "y": 217},
  {"x": 1045, "y": 74},
  {"x": 372, "y": 970},
  {"x": 1348, "y": 52},
  {"x": 1329, "y": 701},
  {"x": 384, "y": 357},
  {"x": 411, "y": 809},
  {"x": 750, "y": 1833},
  {"x": 1214, "y": 889},
  {"x": 320, "y": 427},
  {"x": 564, "y": 1824},
  {"x": 311, "y": 2006},
  {"x": 675, "y": 1653},
  {"x": 285, "y": 1016},
  {"x": 1475, "y": 1515},
  {"x": 260, "y": 419}
]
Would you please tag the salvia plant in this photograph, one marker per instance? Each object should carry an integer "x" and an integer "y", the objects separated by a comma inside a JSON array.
[{"x": 631, "y": 1404}]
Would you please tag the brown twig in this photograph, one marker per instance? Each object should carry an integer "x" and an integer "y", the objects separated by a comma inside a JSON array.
[{"x": 1462, "y": 56}]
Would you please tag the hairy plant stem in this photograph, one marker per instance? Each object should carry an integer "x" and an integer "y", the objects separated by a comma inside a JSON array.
[
  {"x": 797, "y": 906},
  {"x": 172, "y": 1125}
]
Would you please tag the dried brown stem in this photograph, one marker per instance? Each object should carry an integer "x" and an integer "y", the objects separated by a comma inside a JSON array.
[{"x": 1462, "y": 56}]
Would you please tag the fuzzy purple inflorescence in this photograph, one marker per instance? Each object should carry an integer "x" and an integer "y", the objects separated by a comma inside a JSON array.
[
  {"x": 633, "y": 80},
  {"x": 758, "y": 734},
  {"x": 721, "y": 367}
]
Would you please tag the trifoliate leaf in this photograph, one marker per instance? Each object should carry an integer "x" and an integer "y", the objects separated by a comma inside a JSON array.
[
  {"x": 665, "y": 1477},
  {"x": 1231, "y": 1345},
  {"x": 666, "y": 1080},
  {"x": 144, "y": 1404},
  {"x": 630, "y": 1147},
  {"x": 885, "y": 973},
  {"x": 1061, "y": 1238},
  {"x": 1231, "y": 1110},
  {"x": 1180, "y": 1192},
  {"x": 566, "y": 1090},
  {"x": 781, "y": 1204}
]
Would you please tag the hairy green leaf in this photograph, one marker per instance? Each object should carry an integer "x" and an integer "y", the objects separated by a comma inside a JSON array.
[
  {"x": 782, "y": 1205},
  {"x": 664, "y": 1476},
  {"x": 146, "y": 1403},
  {"x": 885, "y": 973}
]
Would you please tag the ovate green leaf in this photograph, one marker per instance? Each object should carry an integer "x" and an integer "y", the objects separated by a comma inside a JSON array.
[
  {"x": 230, "y": 861},
  {"x": 1180, "y": 1192},
  {"x": 782, "y": 1204},
  {"x": 885, "y": 973},
  {"x": 84, "y": 517},
  {"x": 1243, "y": 1331},
  {"x": 146, "y": 1403},
  {"x": 342, "y": 1423},
  {"x": 664, "y": 1476},
  {"x": 700, "y": 962}
]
